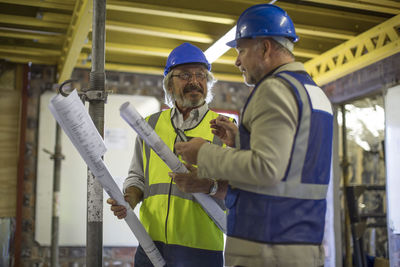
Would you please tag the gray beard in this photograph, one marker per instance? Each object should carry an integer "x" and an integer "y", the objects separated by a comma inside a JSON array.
[{"x": 186, "y": 103}]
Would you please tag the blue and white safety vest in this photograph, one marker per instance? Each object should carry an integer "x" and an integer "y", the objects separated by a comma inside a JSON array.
[{"x": 293, "y": 211}]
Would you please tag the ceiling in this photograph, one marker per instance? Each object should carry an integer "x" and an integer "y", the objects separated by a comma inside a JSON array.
[{"x": 337, "y": 37}]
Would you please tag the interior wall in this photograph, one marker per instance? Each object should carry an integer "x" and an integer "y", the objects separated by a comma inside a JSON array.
[
  {"x": 72, "y": 197},
  {"x": 392, "y": 155},
  {"x": 10, "y": 99},
  {"x": 27, "y": 251}
]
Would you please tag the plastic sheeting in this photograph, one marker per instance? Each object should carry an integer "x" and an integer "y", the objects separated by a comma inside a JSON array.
[{"x": 7, "y": 230}]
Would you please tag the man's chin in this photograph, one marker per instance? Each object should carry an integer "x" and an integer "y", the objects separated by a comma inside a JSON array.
[
  {"x": 247, "y": 81},
  {"x": 193, "y": 103}
]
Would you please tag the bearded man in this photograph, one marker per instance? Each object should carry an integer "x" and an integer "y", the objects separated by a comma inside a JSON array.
[{"x": 178, "y": 225}]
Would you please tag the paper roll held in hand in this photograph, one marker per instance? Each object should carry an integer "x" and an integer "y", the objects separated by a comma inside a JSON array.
[
  {"x": 146, "y": 132},
  {"x": 73, "y": 118}
]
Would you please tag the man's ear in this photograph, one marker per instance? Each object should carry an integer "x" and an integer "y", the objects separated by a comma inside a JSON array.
[
  {"x": 267, "y": 46},
  {"x": 170, "y": 86}
]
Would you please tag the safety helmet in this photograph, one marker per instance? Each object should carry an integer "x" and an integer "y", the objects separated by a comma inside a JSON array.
[
  {"x": 184, "y": 54},
  {"x": 264, "y": 20}
]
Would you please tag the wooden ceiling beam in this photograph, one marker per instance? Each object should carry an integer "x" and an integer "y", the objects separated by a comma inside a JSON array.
[
  {"x": 179, "y": 13},
  {"x": 360, "y": 6},
  {"x": 163, "y": 52},
  {"x": 159, "y": 32},
  {"x": 306, "y": 53},
  {"x": 63, "y": 5},
  {"x": 31, "y": 21},
  {"x": 133, "y": 49},
  {"x": 312, "y": 10},
  {"x": 156, "y": 70},
  {"x": 324, "y": 32},
  {"x": 386, "y": 3},
  {"x": 54, "y": 17},
  {"x": 28, "y": 59},
  {"x": 23, "y": 50},
  {"x": 33, "y": 36},
  {"x": 150, "y": 51}
]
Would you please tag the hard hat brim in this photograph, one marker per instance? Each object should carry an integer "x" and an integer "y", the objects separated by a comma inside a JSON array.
[{"x": 232, "y": 43}]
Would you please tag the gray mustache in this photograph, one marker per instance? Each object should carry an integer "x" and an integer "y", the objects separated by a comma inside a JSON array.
[{"x": 192, "y": 87}]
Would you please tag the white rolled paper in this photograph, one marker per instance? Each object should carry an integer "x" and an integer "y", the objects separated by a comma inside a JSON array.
[{"x": 147, "y": 133}]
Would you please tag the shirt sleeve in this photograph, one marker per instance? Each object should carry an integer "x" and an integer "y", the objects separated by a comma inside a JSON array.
[
  {"x": 136, "y": 174},
  {"x": 271, "y": 117}
]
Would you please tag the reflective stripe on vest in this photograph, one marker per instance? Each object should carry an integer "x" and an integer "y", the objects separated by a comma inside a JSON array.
[
  {"x": 169, "y": 215},
  {"x": 291, "y": 185},
  {"x": 292, "y": 212},
  {"x": 152, "y": 121}
]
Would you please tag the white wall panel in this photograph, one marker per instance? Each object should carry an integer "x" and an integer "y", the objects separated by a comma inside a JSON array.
[{"x": 72, "y": 200}]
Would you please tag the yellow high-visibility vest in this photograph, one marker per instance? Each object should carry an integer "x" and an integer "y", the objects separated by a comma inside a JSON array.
[{"x": 169, "y": 215}]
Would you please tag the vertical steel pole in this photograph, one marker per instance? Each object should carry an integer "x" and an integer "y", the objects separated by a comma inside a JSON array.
[
  {"x": 94, "y": 233},
  {"x": 57, "y": 157},
  {"x": 345, "y": 169}
]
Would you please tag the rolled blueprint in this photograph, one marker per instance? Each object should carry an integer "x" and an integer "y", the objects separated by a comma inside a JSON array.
[
  {"x": 73, "y": 118},
  {"x": 147, "y": 133}
]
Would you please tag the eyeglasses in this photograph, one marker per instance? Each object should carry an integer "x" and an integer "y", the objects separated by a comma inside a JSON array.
[{"x": 187, "y": 76}]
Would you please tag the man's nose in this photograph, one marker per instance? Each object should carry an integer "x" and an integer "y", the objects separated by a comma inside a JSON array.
[
  {"x": 237, "y": 62},
  {"x": 193, "y": 78}
]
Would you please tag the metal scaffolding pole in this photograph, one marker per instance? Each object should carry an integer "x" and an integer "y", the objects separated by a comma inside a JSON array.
[
  {"x": 97, "y": 96},
  {"x": 57, "y": 157},
  {"x": 345, "y": 169}
]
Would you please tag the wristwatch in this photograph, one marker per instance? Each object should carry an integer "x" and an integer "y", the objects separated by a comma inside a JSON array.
[{"x": 213, "y": 188}]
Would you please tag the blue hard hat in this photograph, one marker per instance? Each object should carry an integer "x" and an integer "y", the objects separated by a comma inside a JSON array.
[
  {"x": 264, "y": 20},
  {"x": 184, "y": 54}
]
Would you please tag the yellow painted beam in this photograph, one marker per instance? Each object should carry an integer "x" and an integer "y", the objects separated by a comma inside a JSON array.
[
  {"x": 31, "y": 21},
  {"x": 78, "y": 30},
  {"x": 386, "y": 3},
  {"x": 149, "y": 51},
  {"x": 124, "y": 68},
  {"x": 63, "y": 5},
  {"x": 159, "y": 32},
  {"x": 306, "y": 53},
  {"x": 179, "y": 13},
  {"x": 156, "y": 71},
  {"x": 162, "y": 52},
  {"x": 312, "y": 10},
  {"x": 333, "y": 14},
  {"x": 54, "y": 17},
  {"x": 133, "y": 49},
  {"x": 226, "y": 60},
  {"x": 324, "y": 32},
  {"x": 28, "y": 59},
  {"x": 353, "y": 4},
  {"x": 22, "y": 50},
  {"x": 53, "y": 38},
  {"x": 228, "y": 77},
  {"x": 367, "y": 48},
  {"x": 298, "y": 52}
]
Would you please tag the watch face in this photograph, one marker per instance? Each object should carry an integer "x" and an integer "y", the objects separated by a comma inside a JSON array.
[{"x": 214, "y": 188}]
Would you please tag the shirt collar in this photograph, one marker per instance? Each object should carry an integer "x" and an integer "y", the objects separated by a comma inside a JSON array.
[{"x": 195, "y": 115}]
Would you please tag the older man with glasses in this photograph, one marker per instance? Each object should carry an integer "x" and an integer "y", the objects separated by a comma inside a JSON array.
[
  {"x": 178, "y": 225},
  {"x": 279, "y": 170}
]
